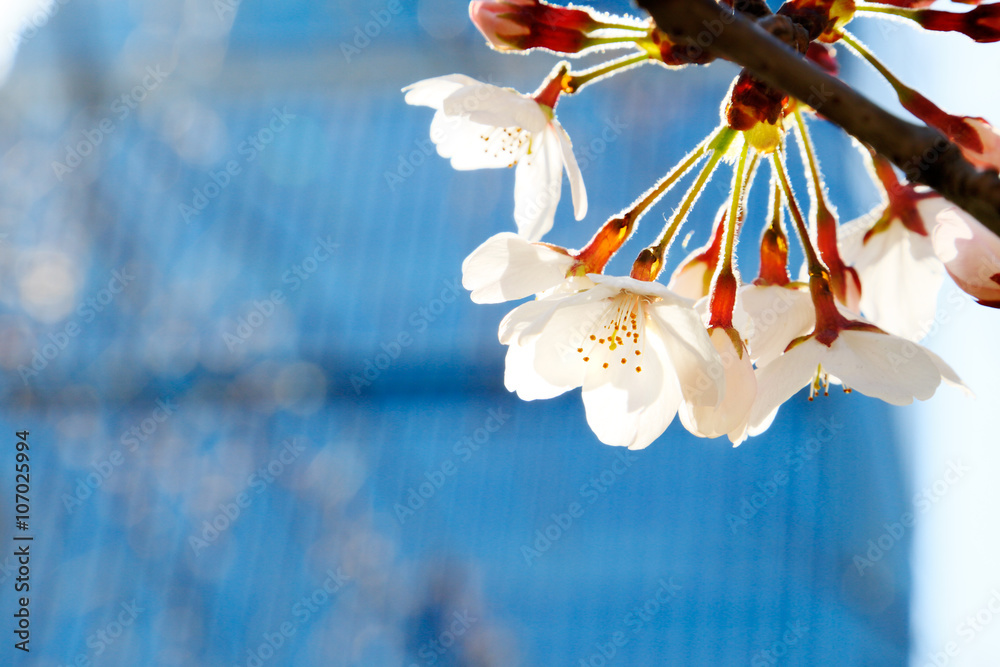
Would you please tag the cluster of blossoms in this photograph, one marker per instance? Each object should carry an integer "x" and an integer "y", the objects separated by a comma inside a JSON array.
[{"x": 721, "y": 353}]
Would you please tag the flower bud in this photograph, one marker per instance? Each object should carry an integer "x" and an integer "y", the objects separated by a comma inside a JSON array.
[
  {"x": 982, "y": 24},
  {"x": 971, "y": 254},
  {"x": 979, "y": 142},
  {"x": 518, "y": 25}
]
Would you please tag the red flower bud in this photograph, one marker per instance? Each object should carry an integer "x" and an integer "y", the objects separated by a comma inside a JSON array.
[
  {"x": 979, "y": 142},
  {"x": 982, "y": 24},
  {"x": 517, "y": 25},
  {"x": 917, "y": 4}
]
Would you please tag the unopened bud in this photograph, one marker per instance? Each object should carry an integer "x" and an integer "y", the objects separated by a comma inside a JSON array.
[
  {"x": 518, "y": 25},
  {"x": 982, "y": 24}
]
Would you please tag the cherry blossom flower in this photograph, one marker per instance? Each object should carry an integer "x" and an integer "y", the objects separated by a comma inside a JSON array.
[
  {"x": 874, "y": 363},
  {"x": 971, "y": 254},
  {"x": 900, "y": 274},
  {"x": 481, "y": 126},
  {"x": 851, "y": 352},
  {"x": 637, "y": 350}
]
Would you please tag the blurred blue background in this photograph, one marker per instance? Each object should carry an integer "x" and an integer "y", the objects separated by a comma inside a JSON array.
[{"x": 267, "y": 425}]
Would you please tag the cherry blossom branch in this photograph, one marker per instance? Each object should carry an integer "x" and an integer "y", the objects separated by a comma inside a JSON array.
[{"x": 735, "y": 37}]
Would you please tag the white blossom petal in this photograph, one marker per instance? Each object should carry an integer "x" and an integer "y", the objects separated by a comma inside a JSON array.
[
  {"x": 576, "y": 186},
  {"x": 697, "y": 365},
  {"x": 496, "y": 107},
  {"x": 508, "y": 267},
  {"x": 778, "y": 315},
  {"x": 729, "y": 417},
  {"x": 473, "y": 146},
  {"x": 537, "y": 187},
  {"x": 627, "y": 408},
  {"x": 689, "y": 280},
  {"x": 550, "y": 362},
  {"x": 781, "y": 379},
  {"x": 433, "y": 92},
  {"x": 882, "y": 366},
  {"x": 900, "y": 279}
]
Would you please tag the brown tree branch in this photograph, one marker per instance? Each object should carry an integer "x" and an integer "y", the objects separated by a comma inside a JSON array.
[{"x": 923, "y": 153}]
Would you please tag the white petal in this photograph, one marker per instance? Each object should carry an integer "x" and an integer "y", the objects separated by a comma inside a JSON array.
[
  {"x": 691, "y": 353},
  {"x": 537, "y": 186},
  {"x": 549, "y": 363},
  {"x": 496, "y": 107},
  {"x": 628, "y": 408},
  {"x": 883, "y": 366},
  {"x": 508, "y": 267},
  {"x": 530, "y": 319},
  {"x": 741, "y": 388},
  {"x": 781, "y": 379},
  {"x": 473, "y": 146},
  {"x": 643, "y": 287},
  {"x": 948, "y": 375},
  {"x": 433, "y": 92},
  {"x": 779, "y": 316},
  {"x": 576, "y": 186},
  {"x": 900, "y": 280},
  {"x": 689, "y": 280}
]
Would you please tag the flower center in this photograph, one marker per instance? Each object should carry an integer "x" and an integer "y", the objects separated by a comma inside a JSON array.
[
  {"x": 509, "y": 143},
  {"x": 618, "y": 339}
]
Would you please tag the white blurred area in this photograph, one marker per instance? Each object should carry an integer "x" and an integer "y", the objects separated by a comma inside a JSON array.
[
  {"x": 20, "y": 20},
  {"x": 956, "y": 540}
]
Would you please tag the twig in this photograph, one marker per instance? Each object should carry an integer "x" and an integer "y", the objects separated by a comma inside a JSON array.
[{"x": 923, "y": 153}]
